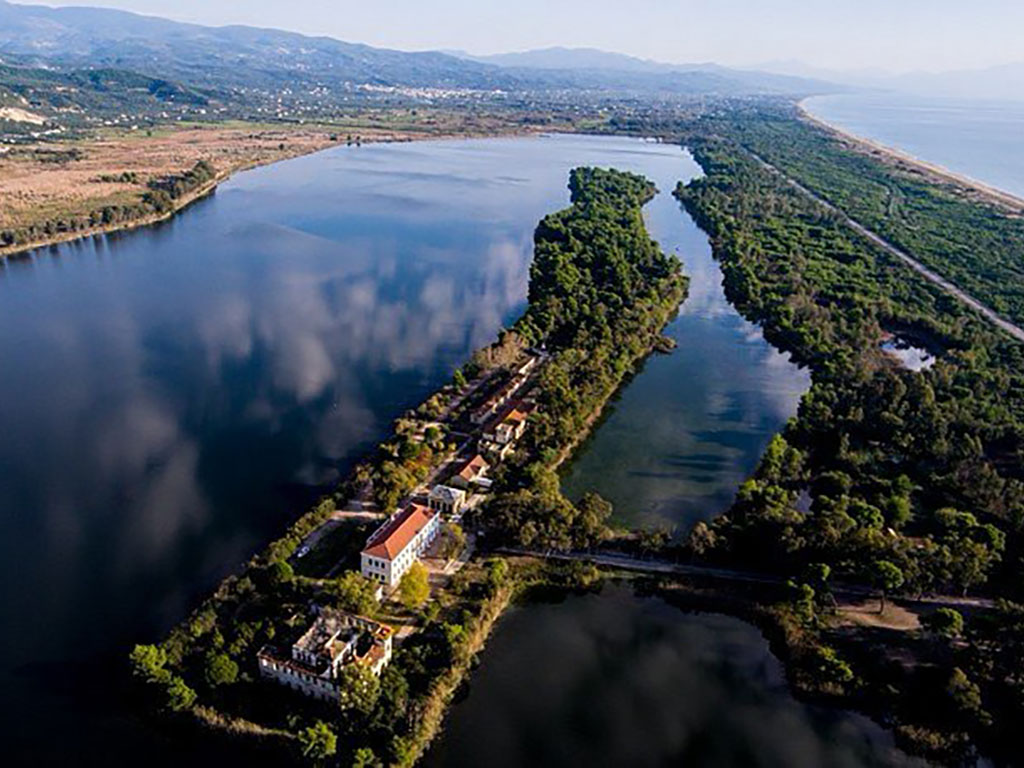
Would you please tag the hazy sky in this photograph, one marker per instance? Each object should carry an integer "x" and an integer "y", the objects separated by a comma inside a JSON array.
[{"x": 889, "y": 34}]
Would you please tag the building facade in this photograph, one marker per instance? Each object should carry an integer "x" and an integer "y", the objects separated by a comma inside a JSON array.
[
  {"x": 447, "y": 500},
  {"x": 509, "y": 428},
  {"x": 398, "y": 543},
  {"x": 334, "y": 640},
  {"x": 472, "y": 473}
]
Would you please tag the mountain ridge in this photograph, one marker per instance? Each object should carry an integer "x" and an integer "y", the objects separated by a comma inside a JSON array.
[{"x": 238, "y": 56}]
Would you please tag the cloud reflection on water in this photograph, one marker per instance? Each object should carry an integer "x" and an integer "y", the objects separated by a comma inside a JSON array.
[{"x": 173, "y": 395}]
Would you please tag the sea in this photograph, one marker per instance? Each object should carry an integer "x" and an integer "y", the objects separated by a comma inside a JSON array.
[{"x": 980, "y": 139}]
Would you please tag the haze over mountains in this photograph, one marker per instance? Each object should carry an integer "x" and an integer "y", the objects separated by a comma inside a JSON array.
[
  {"x": 1004, "y": 82},
  {"x": 248, "y": 57}
]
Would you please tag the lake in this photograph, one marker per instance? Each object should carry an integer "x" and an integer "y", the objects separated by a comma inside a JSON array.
[
  {"x": 613, "y": 679},
  {"x": 691, "y": 425},
  {"x": 983, "y": 140},
  {"x": 173, "y": 396}
]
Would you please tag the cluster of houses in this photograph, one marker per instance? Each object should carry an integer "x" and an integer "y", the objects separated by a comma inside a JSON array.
[
  {"x": 337, "y": 638},
  {"x": 405, "y": 536},
  {"x": 505, "y": 394}
]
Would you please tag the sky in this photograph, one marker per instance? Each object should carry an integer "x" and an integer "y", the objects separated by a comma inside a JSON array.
[{"x": 894, "y": 35}]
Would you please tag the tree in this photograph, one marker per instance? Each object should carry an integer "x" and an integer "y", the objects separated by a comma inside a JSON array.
[
  {"x": 497, "y": 573},
  {"x": 318, "y": 741},
  {"x": 357, "y": 594},
  {"x": 393, "y": 702},
  {"x": 179, "y": 696},
  {"x": 365, "y": 758},
  {"x": 830, "y": 667},
  {"x": 944, "y": 622},
  {"x": 220, "y": 669},
  {"x": 276, "y": 574},
  {"x": 817, "y": 574},
  {"x": 414, "y": 588},
  {"x": 592, "y": 513},
  {"x": 459, "y": 379},
  {"x": 431, "y": 611},
  {"x": 965, "y": 696},
  {"x": 702, "y": 540},
  {"x": 359, "y": 689},
  {"x": 432, "y": 435},
  {"x": 148, "y": 664},
  {"x": 803, "y": 602},
  {"x": 454, "y": 540},
  {"x": 454, "y": 635},
  {"x": 887, "y": 577},
  {"x": 653, "y": 541}
]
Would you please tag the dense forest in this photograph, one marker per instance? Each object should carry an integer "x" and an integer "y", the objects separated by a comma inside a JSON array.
[
  {"x": 976, "y": 246},
  {"x": 601, "y": 291},
  {"x": 906, "y": 481}
]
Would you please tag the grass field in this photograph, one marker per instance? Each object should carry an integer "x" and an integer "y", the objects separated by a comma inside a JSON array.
[{"x": 58, "y": 180}]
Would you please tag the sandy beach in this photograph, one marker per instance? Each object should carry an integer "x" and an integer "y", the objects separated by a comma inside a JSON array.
[{"x": 971, "y": 188}]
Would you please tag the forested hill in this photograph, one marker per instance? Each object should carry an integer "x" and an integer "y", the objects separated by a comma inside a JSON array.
[{"x": 248, "y": 58}]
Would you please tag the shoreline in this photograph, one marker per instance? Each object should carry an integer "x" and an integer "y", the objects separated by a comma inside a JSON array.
[
  {"x": 208, "y": 189},
  {"x": 144, "y": 221},
  {"x": 937, "y": 173},
  {"x": 433, "y": 704}
]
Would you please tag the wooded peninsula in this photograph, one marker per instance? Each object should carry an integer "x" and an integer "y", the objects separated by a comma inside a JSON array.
[
  {"x": 909, "y": 481},
  {"x": 600, "y": 293}
]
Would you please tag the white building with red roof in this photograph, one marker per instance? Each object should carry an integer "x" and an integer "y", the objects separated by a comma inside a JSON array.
[
  {"x": 397, "y": 544},
  {"x": 472, "y": 473}
]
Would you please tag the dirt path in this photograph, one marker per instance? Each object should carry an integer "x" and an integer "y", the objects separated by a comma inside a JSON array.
[
  {"x": 985, "y": 311},
  {"x": 845, "y": 593}
]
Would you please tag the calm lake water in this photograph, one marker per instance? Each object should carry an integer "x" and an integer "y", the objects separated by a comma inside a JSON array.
[
  {"x": 618, "y": 680},
  {"x": 691, "y": 426},
  {"x": 172, "y": 396},
  {"x": 980, "y": 139}
]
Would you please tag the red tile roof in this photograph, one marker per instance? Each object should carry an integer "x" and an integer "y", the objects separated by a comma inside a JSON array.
[
  {"x": 515, "y": 415},
  {"x": 395, "y": 535},
  {"x": 472, "y": 468}
]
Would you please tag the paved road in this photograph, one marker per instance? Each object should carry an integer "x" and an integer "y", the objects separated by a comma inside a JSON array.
[
  {"x": 628, "y": 563},
  {"x": 989, "y": 314}
]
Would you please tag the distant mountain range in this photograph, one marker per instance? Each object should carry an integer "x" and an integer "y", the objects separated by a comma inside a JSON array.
[
  {"x": 239, "y": 57},
  {"x": 577, "y": 58},
  {"x": 1005, "y": 82},
  {"x": 221, "y": 56},
  {"x": 618, "y": 66}
]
